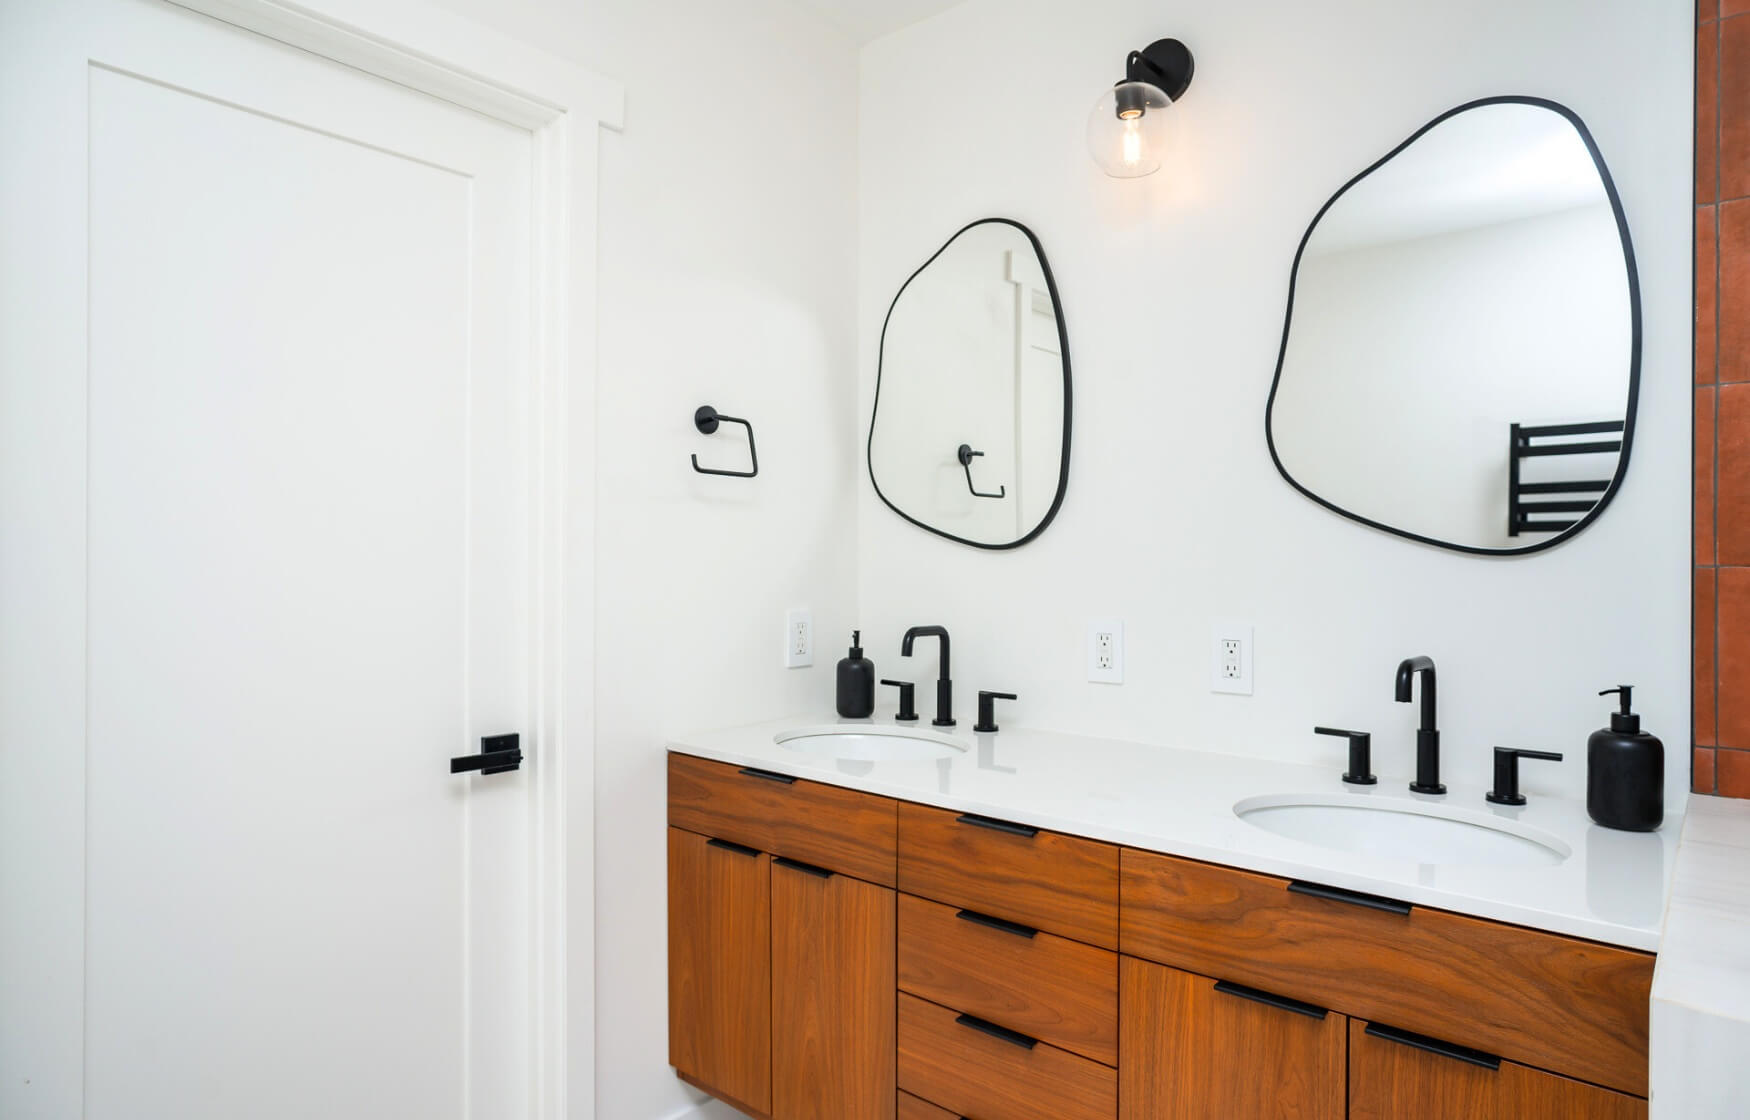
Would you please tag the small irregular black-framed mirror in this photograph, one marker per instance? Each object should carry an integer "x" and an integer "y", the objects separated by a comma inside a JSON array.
[
  {"x": 1460, "y": 359},
  {"x": 969, "y": 435}
]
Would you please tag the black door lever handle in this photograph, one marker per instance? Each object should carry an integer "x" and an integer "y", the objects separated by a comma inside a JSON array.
[{"x": 498, "y": 753}]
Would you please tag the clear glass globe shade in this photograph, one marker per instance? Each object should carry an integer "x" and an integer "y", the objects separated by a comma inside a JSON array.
[{"x": 1127, "y": 131}]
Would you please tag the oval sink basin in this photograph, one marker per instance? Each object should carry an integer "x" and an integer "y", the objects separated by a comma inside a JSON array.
[
  {"x": 869, "y": 744},
  {"x": 1403, "y": 830}
]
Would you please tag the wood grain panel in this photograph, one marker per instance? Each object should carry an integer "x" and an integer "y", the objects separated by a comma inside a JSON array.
[
  {"x": 720, "y": 968},
  {"x": 973, "y": 1074},
  {"x": 833, "y": 1045},
  {"x": 1191, "y": 1053},
  {"x": 1555, "y": 1002},
  {"x": 1054, "y": 989},
  {"x": 1061, "y": 884},
  {"x": 839, "y": 829},
  {"x": 913, "y": 1108},
  {"x": 1390, "y": 1081}
]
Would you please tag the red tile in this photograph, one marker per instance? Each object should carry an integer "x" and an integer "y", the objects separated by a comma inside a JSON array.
[
  {"x": 1704, "y": 475},
  {"x": 1730, "y": 7},
  {"x": 1706, "y": 10},
  {"x": 1735, "y": 108},
  {"x": 1707, "y": 112},
  {"x": 1732, "y": 331},
  {"x": 1733, "y": 652},
  {"x": 1706, "y": 670},
  {"x": 1732, "y": 476},
  {"x": 1732, "y": 772},
  {"x": 1701, "y": 772},
  {"x": 1707, "y": 303}
]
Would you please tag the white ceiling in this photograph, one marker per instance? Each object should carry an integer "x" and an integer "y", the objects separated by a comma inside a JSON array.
[{"x": 871, "y": 19}]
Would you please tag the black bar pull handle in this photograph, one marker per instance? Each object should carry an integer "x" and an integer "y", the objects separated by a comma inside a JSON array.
[
  {"x": 995, "y": 825},
  {"x": 1310, "y": 1010},
  {"x": 1353, "y": 898},
  {"x": 1435, "y": 1046},
  {"x": 805, "y": 868},
  {"x": 985, "y": 1026},
  {"x": 989, "y": 922},
  {"x": 498, "y": 753},
  {"x": 706, "y": 419},
  {"x": 731, "y": 846},
  {"x": 768, "y": 775}
]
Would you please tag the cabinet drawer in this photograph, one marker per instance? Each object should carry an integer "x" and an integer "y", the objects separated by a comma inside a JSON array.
[
  {"x": 838, "y": 829},
  {"x": 1559, "y": 1003},
  {"x": 972, "y": 1073},
  {"x": 912, "y": 1108},
  {"x": 1056, "y": 990},
  {"x": 1061, "y": 884},
  {"x": 1391, "y": 1079}
]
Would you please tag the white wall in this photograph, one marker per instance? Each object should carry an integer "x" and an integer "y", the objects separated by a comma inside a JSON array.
[
  {"x": 1173, "y": 288},
  {"x": 726, "y": 278}
]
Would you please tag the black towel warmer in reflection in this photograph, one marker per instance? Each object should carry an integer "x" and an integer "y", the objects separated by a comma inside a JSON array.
[{"x": 1534, "y": 441}]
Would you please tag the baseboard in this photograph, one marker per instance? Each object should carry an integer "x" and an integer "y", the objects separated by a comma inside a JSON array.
[{"x": 708, "y": 1110}]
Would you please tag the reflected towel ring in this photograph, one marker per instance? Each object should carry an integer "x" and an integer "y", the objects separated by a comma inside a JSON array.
[
  {"x": 965, "y": 455},
  {"x": 706, "y": 418}
]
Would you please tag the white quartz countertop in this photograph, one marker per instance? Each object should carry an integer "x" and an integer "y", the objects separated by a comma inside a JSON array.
[{"x": 1611, "y": 887}]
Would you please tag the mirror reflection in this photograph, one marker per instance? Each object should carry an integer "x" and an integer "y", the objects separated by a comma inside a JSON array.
[
  {"x": 1461, "y": 356},
  {"x": 970, "y": 433}
]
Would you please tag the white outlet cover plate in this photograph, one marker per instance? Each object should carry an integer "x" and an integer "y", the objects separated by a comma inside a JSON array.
[
  {"x": 1110, "y": 670},
  {"x": 1221, "y": 632},
  {"x": 798, "y": 638}
]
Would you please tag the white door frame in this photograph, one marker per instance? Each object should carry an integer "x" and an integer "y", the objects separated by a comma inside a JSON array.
[{"x": 562, "y": 106}]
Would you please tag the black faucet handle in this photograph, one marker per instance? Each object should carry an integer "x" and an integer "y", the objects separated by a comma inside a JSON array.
[
  {"x": 908, "y": 699},
  {"x": 1506, "y": 791},
  {"x": 1360, "y": 754},
  {"x": 987, "y": 721}
]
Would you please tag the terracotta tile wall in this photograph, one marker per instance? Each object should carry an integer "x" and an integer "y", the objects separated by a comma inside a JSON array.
[{"x": 1721, "y": 761}]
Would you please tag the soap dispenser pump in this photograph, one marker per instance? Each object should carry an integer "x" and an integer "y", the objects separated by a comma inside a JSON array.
[
  {"x": 856, "y": 682},
  {"x": 1625, "y": 771}
]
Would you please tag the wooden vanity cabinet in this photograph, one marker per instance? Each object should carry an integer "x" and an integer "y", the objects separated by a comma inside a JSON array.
[
  {"x": 781, "y": 953},
  {"x": 1035, "y": 975},
  {"x": 1390, "y": 1079},
  {"x": 1191, "y": 1048}
]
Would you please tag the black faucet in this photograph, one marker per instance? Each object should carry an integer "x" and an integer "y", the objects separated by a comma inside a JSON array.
[
  {"x": 944, "y": 686},
  {"x": 1427, "y": 736}
]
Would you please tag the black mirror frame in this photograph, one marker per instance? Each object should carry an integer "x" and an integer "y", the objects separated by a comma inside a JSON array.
[
  {"x": 1634, "y": 300},
  {"x": 1063, "y": 350}
]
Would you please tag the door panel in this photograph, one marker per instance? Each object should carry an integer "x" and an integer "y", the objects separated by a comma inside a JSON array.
[
  {"x": 720, "y": 967},
  {"x": 1391, "y": 1081},
  {"x": 832, "y": 997},
  {"x": 290, "y": 546},
  {"x": 1188, "y": 1052}
]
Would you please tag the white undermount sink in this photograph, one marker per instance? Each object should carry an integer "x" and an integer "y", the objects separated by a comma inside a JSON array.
[
  {"x": 1401, "y": 829},
  {"x": 869, "y": 744}
]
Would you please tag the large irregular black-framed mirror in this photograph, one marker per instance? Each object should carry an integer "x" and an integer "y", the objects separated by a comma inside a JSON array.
[
  {"x": 969, "y": 437},
  {"x": 1460, "y": 360}
]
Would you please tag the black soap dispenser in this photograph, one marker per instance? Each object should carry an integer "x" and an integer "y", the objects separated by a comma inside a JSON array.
[
  {"x": 1625, "y": 771},
  {"x": 856, "y": 682}
]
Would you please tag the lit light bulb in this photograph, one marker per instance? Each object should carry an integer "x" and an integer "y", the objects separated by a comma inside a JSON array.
[
  {"x": 1127, "y": 129},
  {"x": 1133, "y": 141}
]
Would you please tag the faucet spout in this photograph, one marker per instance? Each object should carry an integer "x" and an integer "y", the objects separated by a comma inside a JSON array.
[
  {"x": 944, "y": 686},
  {"x": 1428, "y": 734}
]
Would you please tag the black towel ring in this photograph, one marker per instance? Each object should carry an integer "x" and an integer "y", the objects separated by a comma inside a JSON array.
[{"x": 706, "y": 419}]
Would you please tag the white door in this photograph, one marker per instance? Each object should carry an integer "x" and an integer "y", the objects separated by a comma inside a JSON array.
[{"x": 265, "y": 407}]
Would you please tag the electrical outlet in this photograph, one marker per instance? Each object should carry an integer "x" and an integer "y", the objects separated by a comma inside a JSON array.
[
  {"x": 798, "y": 638},
  {"x": 1230, "y": 659},
  {"x": 1106, "y": 651}
]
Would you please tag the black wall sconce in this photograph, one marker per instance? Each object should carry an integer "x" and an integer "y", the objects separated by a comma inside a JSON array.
[{"x": 1127, "y": 129}]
